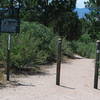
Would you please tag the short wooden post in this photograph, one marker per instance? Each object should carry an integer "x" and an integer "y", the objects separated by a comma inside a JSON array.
[
  {"x": 8, "y": 56},
  {"x": 58, "y": 62},
  {"x": 97, "y": 64}
]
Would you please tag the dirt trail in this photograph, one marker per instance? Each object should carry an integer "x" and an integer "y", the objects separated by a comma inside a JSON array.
[{"x": 76, "y": 84}]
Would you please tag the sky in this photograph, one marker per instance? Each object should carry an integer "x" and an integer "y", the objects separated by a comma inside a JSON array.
[{"x": 80, "y": 3}]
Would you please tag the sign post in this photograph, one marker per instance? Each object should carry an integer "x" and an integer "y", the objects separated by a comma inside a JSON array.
[
  {"x": 97, "y": 64},
  {"x": 8, "y": 56},
  {"x": 98, "y": 3},
  {"x": 10, "y": 23},
  {"x": 58, "y": 62}
]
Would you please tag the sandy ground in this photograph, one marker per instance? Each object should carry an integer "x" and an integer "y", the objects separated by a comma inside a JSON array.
[{"x": 76, "y": 84}]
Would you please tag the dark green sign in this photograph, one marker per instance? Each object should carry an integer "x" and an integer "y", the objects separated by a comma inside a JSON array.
[
  {"x": 9, "y": 21},
  {"x": 9, "y": 18},
  {"x": 8, "y": 25}
]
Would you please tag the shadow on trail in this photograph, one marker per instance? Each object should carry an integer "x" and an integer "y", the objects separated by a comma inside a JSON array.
[
  {"x": 2, "y": 86},
  {"x": 67, "y": 87},
  {"x": 16, "y": 83}
]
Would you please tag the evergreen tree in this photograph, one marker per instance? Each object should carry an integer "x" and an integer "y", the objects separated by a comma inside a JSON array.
[
  {"x": 93, "y": 19},
  {"x": 56, "y": 13}
]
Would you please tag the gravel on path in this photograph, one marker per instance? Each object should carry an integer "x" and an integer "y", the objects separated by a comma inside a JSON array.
[{"x": 77, "y": 77}]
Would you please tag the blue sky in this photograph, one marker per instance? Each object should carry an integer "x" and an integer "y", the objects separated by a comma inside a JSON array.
[{"x": 80, "y": 3}]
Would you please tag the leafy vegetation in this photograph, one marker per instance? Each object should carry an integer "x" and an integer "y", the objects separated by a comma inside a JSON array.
[
  {"x": 84, "y": 46},
  {"x": 35, "y": 44},
  {"x": 32, "y": 45},
  {"x": 43, "y": 22}
]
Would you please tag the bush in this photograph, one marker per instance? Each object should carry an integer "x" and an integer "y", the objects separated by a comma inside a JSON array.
[
  {"x": 3, "y": 47},
  {"x": 66, "y": 48},
  {"x": 86, "y": 50},
  {"x": 84, "y": 46},
  {"x": 85, "y": 38},
  {"x": 34, "y": 45}
]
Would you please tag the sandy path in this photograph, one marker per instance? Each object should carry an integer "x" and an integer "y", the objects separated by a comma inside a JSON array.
[{"x": 76, "y": 84}]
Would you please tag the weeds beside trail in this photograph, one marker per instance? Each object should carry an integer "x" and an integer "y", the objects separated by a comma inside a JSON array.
[{"x": 37, "y": 44}]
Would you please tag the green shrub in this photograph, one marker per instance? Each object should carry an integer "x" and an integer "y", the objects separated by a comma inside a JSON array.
[
  {"x": 34, "y": 45},
  {"x": 86, "y": 50},
  {"x": 84, "y": 46},
  {"x": 66, "y": 47},
  {"x": 85, "y": 38},
  {"x": 3, "y": 46}
]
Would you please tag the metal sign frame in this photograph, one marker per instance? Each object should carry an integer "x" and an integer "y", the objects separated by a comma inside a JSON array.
[{"x": 9, "y": 25}]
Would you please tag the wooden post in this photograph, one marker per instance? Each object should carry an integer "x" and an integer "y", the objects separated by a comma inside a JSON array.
[
  {"x": 8, "y": 56},
  {"x": 98, "y": 3},
  {"x": 58, "y": 62},
  {"x": 97, "y": 64}
]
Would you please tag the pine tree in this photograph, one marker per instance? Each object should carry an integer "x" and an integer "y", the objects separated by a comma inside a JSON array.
[{"x": 93, "y": 19}]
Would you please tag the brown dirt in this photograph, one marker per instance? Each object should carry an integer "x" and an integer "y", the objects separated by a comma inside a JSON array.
[{"x": 77, "y": 77}]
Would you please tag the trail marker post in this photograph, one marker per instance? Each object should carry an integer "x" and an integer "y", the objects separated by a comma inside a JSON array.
[
  {"x": 8, "y": 56},
  {"x": 58, "y": 62},
  {"x": 97, "y": 64},
  {"x": 10, "y": 23}
]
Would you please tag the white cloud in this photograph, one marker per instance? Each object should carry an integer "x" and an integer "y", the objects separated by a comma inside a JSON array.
[{"x": 80, "y": 3}]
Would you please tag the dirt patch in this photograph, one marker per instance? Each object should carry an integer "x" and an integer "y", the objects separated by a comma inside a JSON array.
[{"x": 77, "y": 79}]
